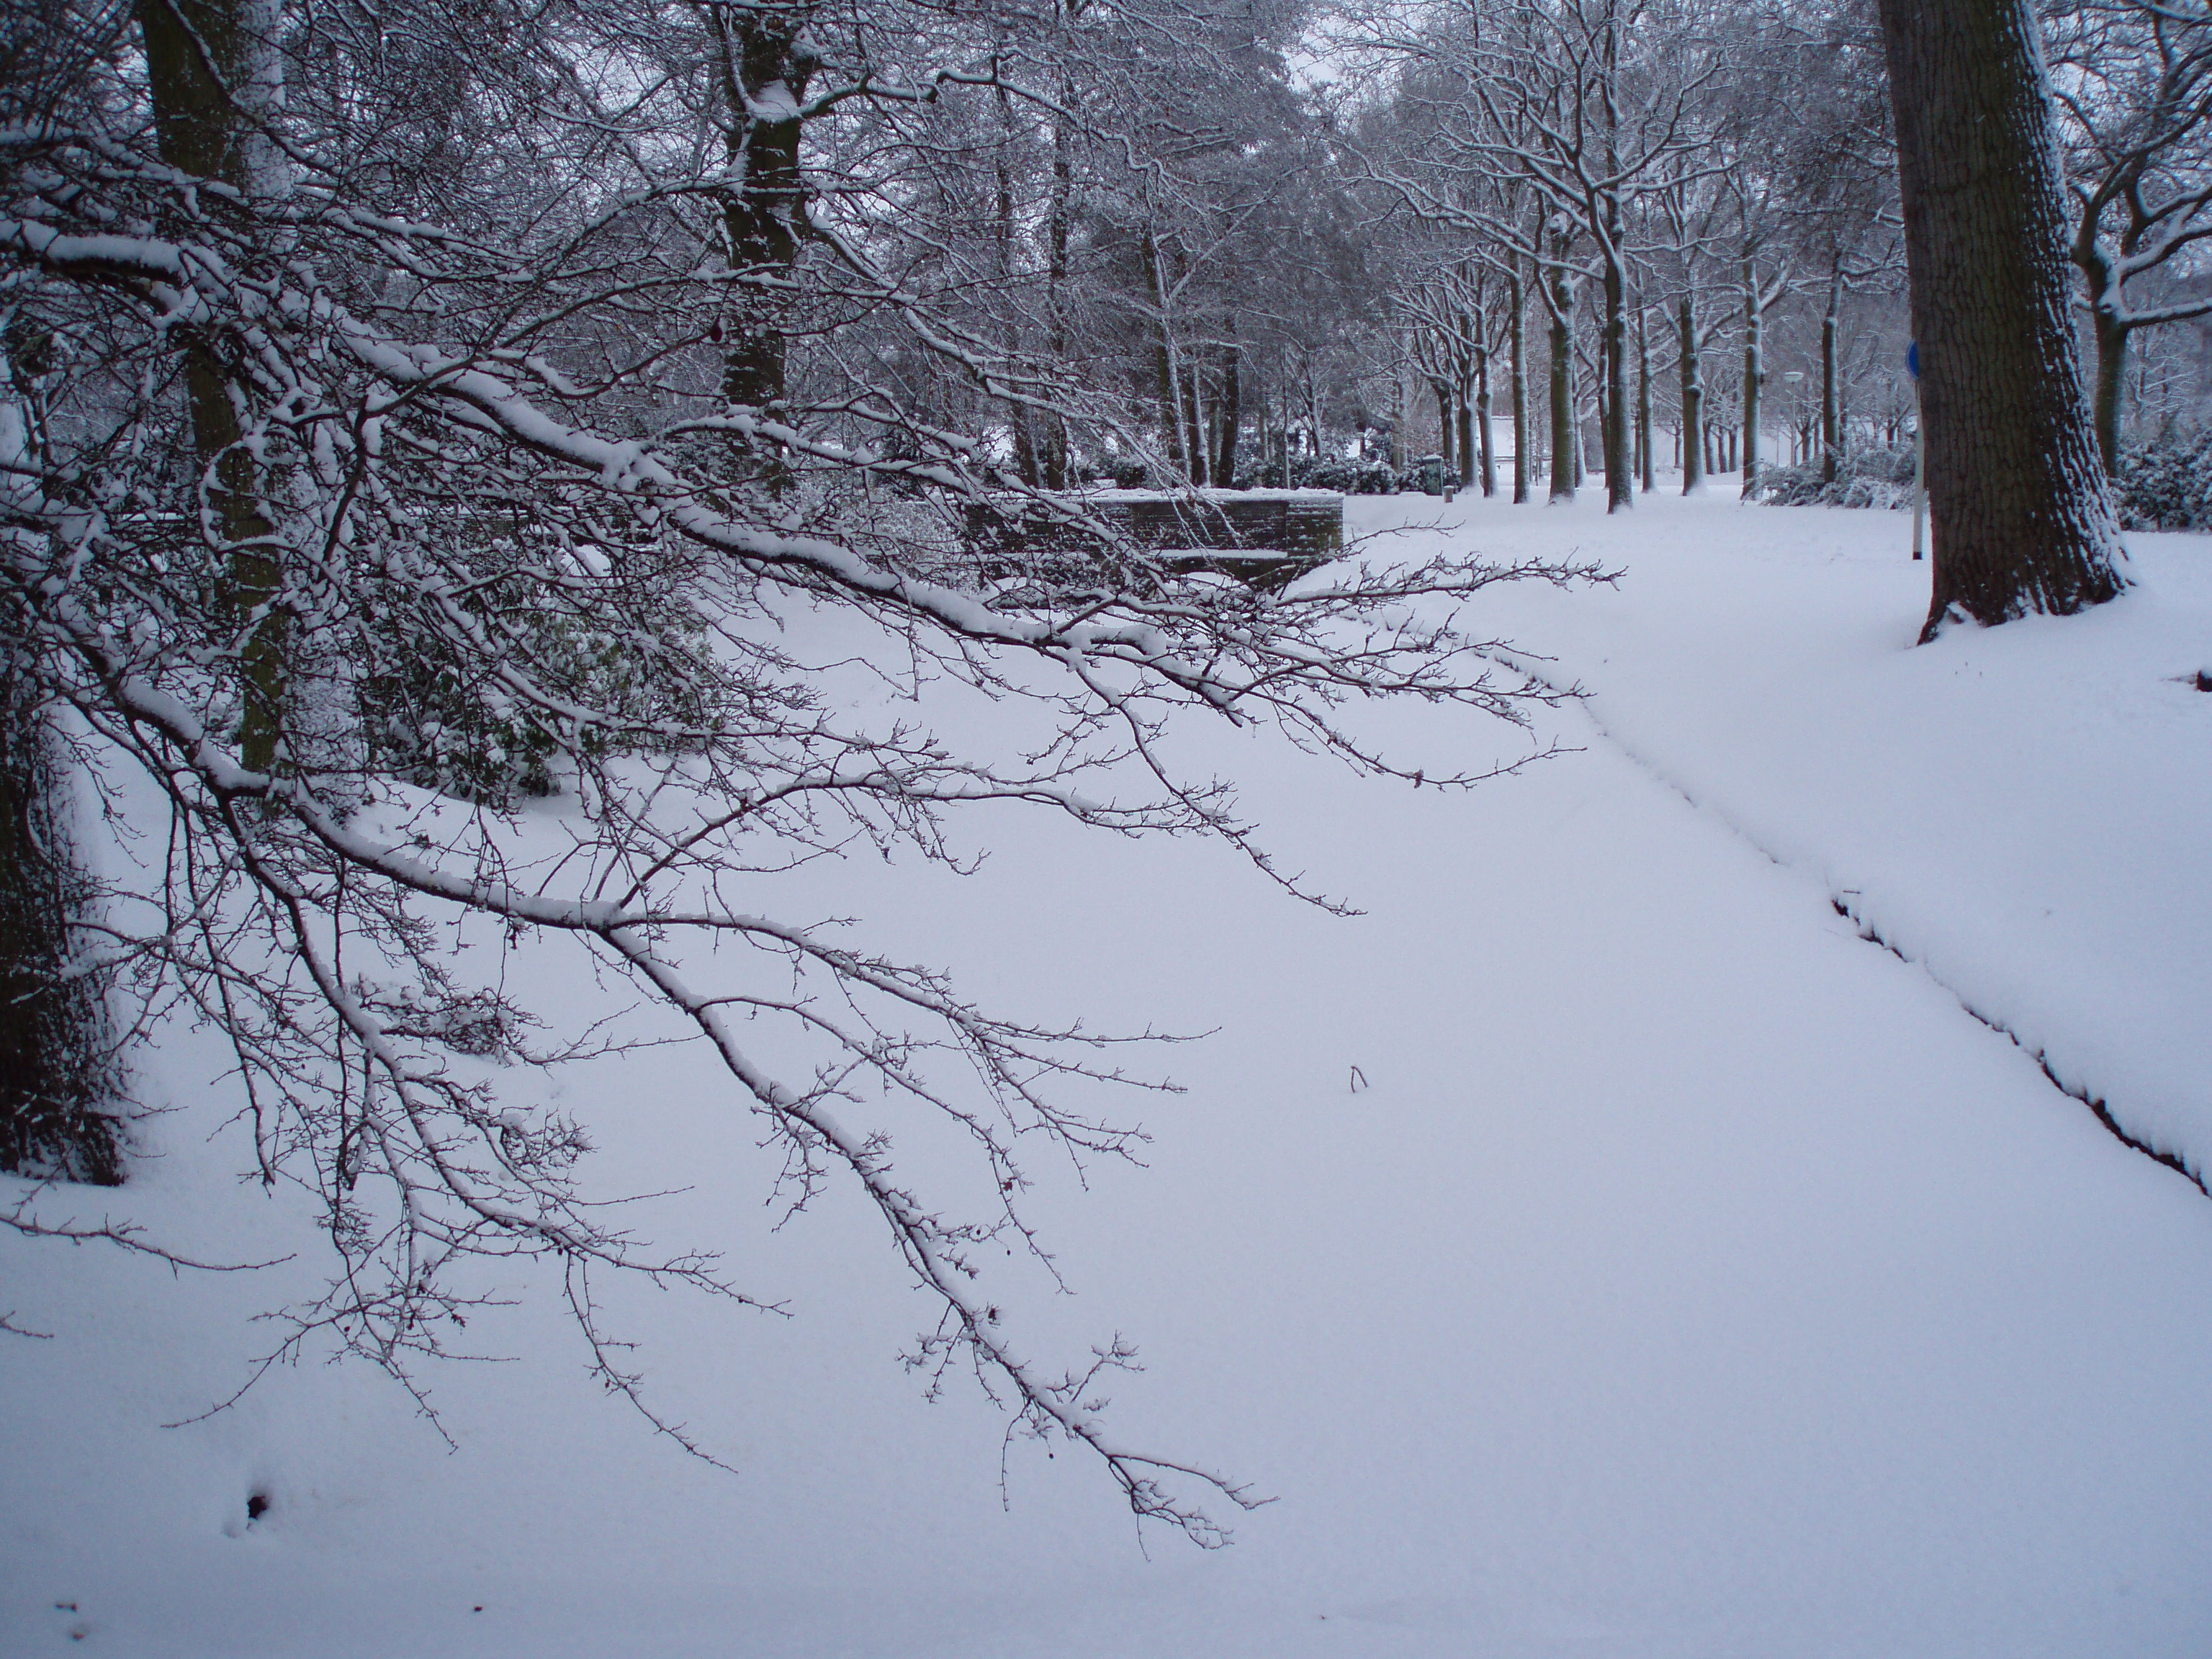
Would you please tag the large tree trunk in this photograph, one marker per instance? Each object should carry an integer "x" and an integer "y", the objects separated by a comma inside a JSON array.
[
  {"x": 1693, "y": 401},
  {"x": 2017, "y": 505},
  {"x": 54, "y": 1060}
]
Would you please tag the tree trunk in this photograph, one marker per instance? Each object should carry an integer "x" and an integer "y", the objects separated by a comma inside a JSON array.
[
  {"x": 1565, "y": 450},
  {"x": 1482, "y": 424},
  {"x": 2017, "y": 505},
  {"x": 1163, "y": 359},
  {"x": 202, "y": 131},
  {"x": 764, "y": 216},
  {"x": 1194, "y": 446},
  {"x": 1693, "y": 403},
  {"x": 54, "y": 1061},
  {"x": 1754, "y": 371},
  {"x": 1643, "y": 396},
  {"x": 1442, "y": 392},
  {"x": 1620, "y": 476},
  {"x": 1830, "y": 409},
  {"x": 1232, "y": 410},
  {"x": 1517, "y": 305},
  {"x": 1058, "y": 215},
  {"x": 1397, "y": 415},
  {"x": 1020, "y": 416},
  {"x": 2111, "y": 336},
  {"x": 1464, "y": 402}
]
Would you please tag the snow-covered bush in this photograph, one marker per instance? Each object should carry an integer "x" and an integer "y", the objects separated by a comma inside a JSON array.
[
  {"x": 2164, "y": 483},
  {"x": 2167, "y": 484},
  {"x": 1865, "y": 477},
  {"x": 632, "y": 645},
  {"x": 1337, "y": 472}
]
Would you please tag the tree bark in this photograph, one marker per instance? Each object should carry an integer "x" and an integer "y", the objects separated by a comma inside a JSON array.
[
  {"x": 1398, "y": 414},
  {"x": 202, "y": 131},
  {"x": 1754, "y": 371},
  {"x": 1517, "y": 305},
  {"x": 1644, "y": 397},
  {"x": 1163, "y": 360},
  {"x": 1830, "y": 409},
  {"x": 2018, "y": 510},
  {"x": 1195, "y": 447},
  {"x": 53, "y": 1035},
  {"x": 2112, "y": 337},
  {"x": 1619, "y": 480},
  {"x": 1482, "y": 424},
  {"x": 766, "y": 64},
  {"x": 1058, "y": 215},
  {"x": 1232, "y": 410},
  {"x": 1693, "y": 401},
  {"x": 1565, "y": 449}
]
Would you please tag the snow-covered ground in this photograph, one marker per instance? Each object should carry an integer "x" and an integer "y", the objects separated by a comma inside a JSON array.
[{"x": 1692, "y": 1277}]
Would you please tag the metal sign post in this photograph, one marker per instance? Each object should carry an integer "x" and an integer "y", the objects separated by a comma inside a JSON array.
[{"x": 1919, "y": 451}]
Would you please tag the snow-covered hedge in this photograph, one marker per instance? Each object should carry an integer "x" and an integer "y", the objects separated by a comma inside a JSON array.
[
  {"x": 1337, "y": 472},
  {"x": 2166, "y": 484},
  {"x": 1867, "y": 477}
]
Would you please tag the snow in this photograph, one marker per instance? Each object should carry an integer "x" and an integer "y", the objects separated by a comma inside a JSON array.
[
  {"x": 1689, "y": 1277},
  {"x": 2021, "y": 810}
]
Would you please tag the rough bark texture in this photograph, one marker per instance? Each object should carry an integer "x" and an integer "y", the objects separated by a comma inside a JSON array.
[
  {"x": 2018, "y": 511},
  {"x": 1231, "y": 414},
  {"x": 1517, "y": 305},
  {"x": 1643, "y": 400},
  {"x": 1566, "y": 451},
  {"x": 1619, "y": 479},
  {"x": 1058, "y": 216},
  {"x": 1467, "y": 467},
  {"x": 766, "y": 64},
  {"x": 202, "y": 130},
  {"x": 1693, "y": 401},
  {"x": 54, "y": 1063},
  {"x": 2111, "y": 336},
  {"x": 1831, "y": 410},
  {"x": 1754, "y": 371},
  {"x": 1482, "y": 425}
]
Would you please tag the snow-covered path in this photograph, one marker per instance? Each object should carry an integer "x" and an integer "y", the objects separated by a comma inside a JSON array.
[{"x": 1691, "y": 1276}]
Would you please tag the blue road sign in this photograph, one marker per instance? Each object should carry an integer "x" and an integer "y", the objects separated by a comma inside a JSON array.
[{"x": 1912, "y": 360}]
